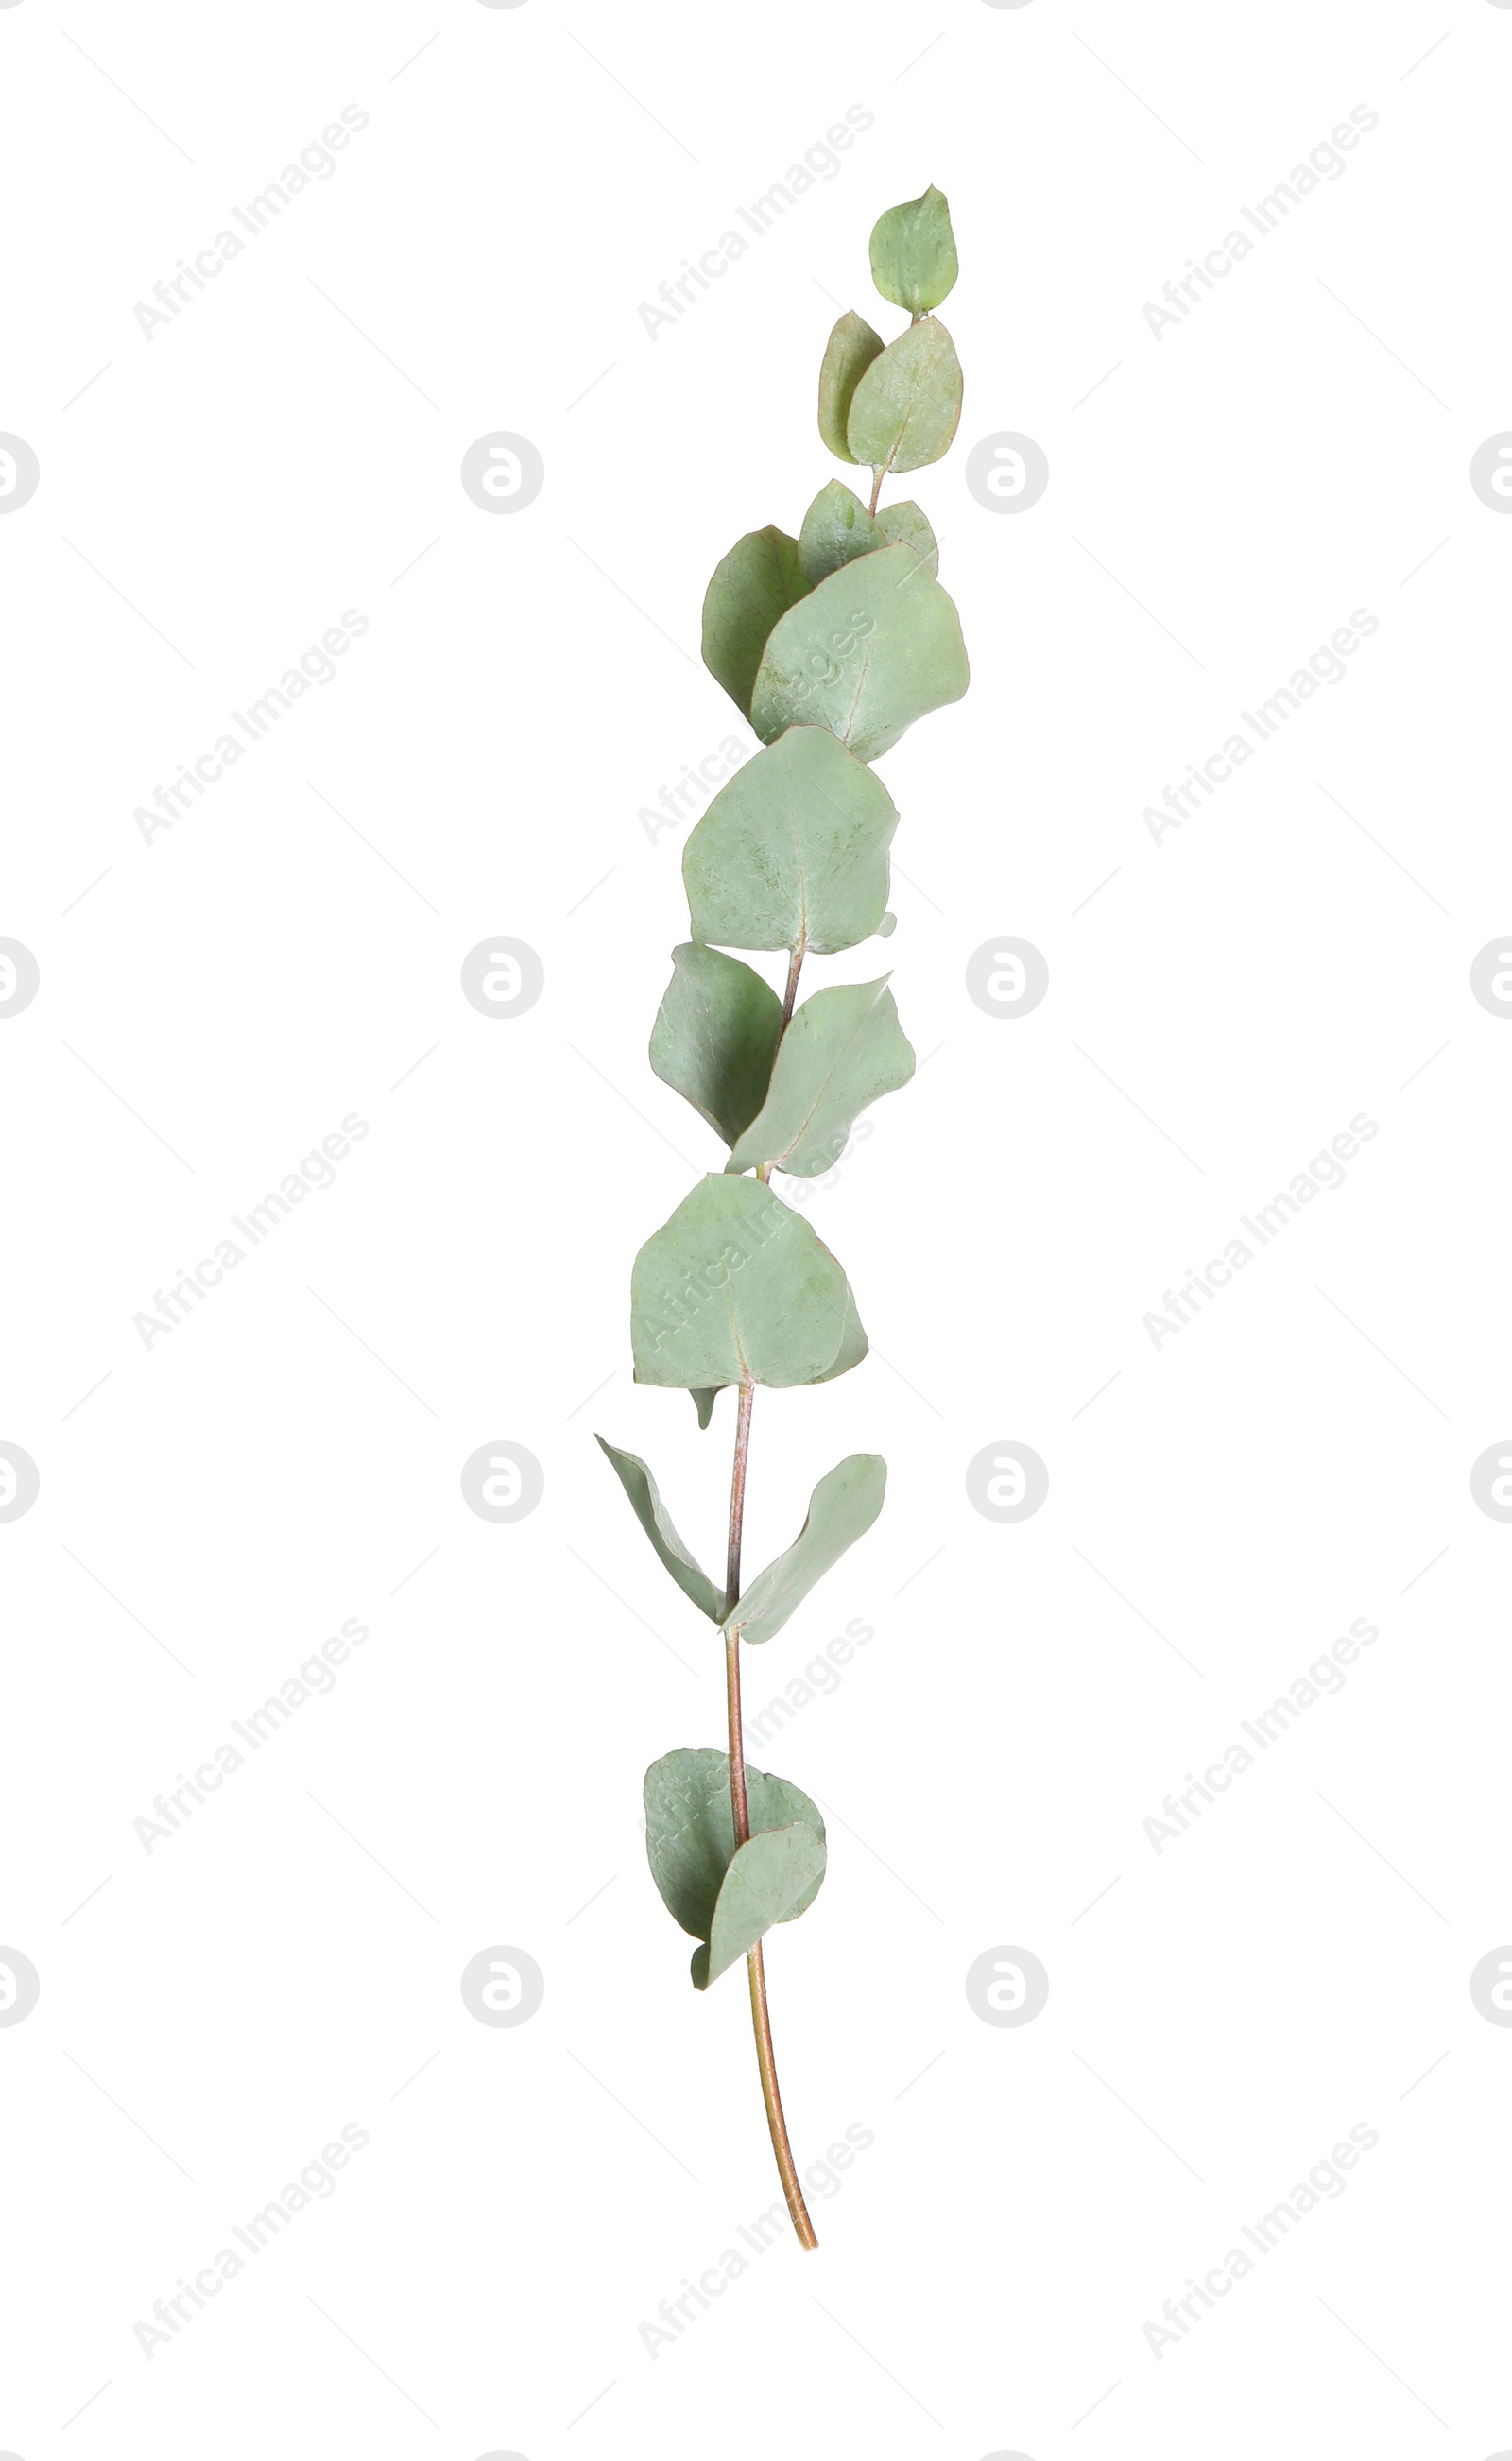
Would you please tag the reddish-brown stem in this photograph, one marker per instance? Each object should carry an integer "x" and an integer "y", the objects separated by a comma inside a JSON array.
[
  {"x": 795, "y": 967},
  {"x": 766, "y": 2058},
  {"x": 877, "y": 478},
  {"x": 760, "y": 2018},
  {"x": 737, "y": 1506}
]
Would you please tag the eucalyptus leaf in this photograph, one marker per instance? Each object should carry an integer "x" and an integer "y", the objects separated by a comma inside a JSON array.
[
  {"x": 715, "y": 1037},
  {"x": 836, "y": 528},
  {"x": 887, "y": 927},
  {"x": 873, "y": 648},
  {"x": 907, "y": 405},
  {"x": 844, "y": 1049},
  {"x": 905, "y": 526},
  {"x": 841, "y": 1509},
  {"x": 704, "y": 1397},
  {"x": 736, "y": 1284},
  {"x": 852, "y": 1346},
  {"x": 913, "y": 258},
  {"x": 689, "y": 1830},
  {"x": 768, "y": 1876},
  {"x": 791, "y": 853},
  {"x": 756, "y": 582},
  {"x": 848, "y": 353},
  {"x": 658, "y": 1523}
]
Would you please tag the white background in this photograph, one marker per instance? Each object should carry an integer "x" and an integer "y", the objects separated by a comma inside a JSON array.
[{"x": 214, "y": 1002}]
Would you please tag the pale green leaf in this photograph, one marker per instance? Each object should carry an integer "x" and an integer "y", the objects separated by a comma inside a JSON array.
[
  {"x": 848, "y": 353},
  {"x": 905, "y": 526},
  {"x": 656, "y": 1521},
  {"x": 873, "y": 648},
  {"x": 913, "y": 259},
  {"x": 844, "y": 1049},
  {"x": 704, "y": 1397},
  {"x": 758, "y": 581},
  {"x": 715, "y": 1037},
  {"x": 736, "y": 1284},
  {"x": 852, "y": 1345},
  {"x": 767, "y": 1878},
  {"x": 836, "y": 528},
  {"x": 907, "y": 405},
  {"x": 791, "y": 853},
  {"x": 841, "y": 1509},
  {"x": 887, "y": 927},
  {"x": 689, "y": 1830}
]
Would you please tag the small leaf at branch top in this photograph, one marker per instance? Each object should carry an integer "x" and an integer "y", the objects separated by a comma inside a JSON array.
[
  {"x": 791, "y": 853},
  {"x": 689, "y": 1830},
  {"x": 736, "y": 1283},
  {"x": 907, "y": 405},
  {"x": 874, "y": 647},
  {"x": 767, "y": 1878},
  {"x": 757, "y": 582},
  {"x": 715, "y": 1037},
  {"x": 844, "y": 1049},
  {"x": 841, "y": 1509},
  {"x": 656, "y": 1521},
  {"x": 848, "y": 353},
  {"x": 913, "y": 258},
  {"x": 836, "y": 528},
  {"x": 905, "y": 526}
]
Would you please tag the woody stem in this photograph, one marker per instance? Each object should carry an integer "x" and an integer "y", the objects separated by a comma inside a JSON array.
[{"x": 760, "y": 2018}]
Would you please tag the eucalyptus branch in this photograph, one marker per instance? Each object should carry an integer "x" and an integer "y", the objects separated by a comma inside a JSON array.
[{"x": 831, "y": 644}]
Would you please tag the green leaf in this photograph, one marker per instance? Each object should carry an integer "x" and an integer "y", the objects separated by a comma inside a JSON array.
[
  {"x": 768, "y": 1876},
  {"x": 852, "y": 1348},
  {"x": 791, "y": 853},
  {"x": 887, "y": 927},
  {"x": 759, "y": 580},
  {"x": 844, "y": 1049},
  {"x": 656, "y": 1521},
  {"x": 848, "y": 353},
  {"x": 704, "y": 1397},
  {"x": 689, "y": 1830},
  {"x": 715, "y": 1037},
  {"x": 836, "y": 528},
  {"x": 905, "y": 526},
  {"x": 841, "y": 1509},
  {"x": 907, "y": 405},
  {"x": 913, "y": 259},
  {"x": 873, "y": 648},
  {"x": 734, "y": 1284}
]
